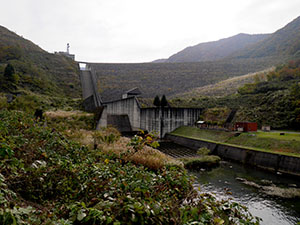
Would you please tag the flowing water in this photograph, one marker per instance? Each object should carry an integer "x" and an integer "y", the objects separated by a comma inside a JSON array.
[{"x": 273, "y": 210}]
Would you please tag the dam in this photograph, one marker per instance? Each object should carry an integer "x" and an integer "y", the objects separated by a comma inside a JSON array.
[{"x": 127, "y": 113}]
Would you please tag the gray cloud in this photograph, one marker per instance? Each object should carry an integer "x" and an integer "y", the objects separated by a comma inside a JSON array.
[{"x": 139, "y": 30}]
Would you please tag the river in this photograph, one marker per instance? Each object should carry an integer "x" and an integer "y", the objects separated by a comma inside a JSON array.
[{"x": 227, "y": 178}]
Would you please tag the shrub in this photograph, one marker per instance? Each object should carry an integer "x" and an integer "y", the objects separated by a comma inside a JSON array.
[
  {"x": 138, "y": 142},
  {"x": 207, "y": 161},
  {"x": 69, "y": 184},
  {"x": 3, "y": 102},
  {"x": 203, "y": 151},
  {"x": 106, "y": 135}
]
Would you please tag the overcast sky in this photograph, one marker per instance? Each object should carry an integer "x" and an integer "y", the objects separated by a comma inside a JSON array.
[{"x": 139, "y": 30}]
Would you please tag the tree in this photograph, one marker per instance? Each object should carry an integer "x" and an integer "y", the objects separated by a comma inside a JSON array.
[
  {"x": 10, "y": 78},
  {"x": 9, "y": 72},
  {"x": 156, "y": 101},
  {"x": 163, "y": 101}
]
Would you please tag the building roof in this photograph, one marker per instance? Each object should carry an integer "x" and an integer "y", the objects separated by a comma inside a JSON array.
[
  {"x": 134, "y": 91},
  {"x": 110, "y": 95}
]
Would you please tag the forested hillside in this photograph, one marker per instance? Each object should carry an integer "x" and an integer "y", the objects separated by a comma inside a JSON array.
[
  {"x": 283, "y": 42},
  {"x": 34, "y": 69},
  {"x": 216, "y": 50},
  {"x": 272, "y": 100}
]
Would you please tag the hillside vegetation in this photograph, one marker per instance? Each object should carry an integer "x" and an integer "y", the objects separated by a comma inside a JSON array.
[
  {"x": 226, "y": 87},
  {"x": 35, "y": 69},
  {"x": 68, "y": 183},
  {"x": 273, "y": 100},
  {"x": 285, "y": 41}
]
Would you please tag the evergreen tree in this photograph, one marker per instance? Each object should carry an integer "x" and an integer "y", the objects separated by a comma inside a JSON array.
[
  {"x": 163, "y": 102},
  {"x": 156, "y": 101},
  {"x": 9, "y": 72}
]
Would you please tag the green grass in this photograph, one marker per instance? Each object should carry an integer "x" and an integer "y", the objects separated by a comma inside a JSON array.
[
  {"x": 276, "y": 135},
  {"x": 288, "y": 144}
]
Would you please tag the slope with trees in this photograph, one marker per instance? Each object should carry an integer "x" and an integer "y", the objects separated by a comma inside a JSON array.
[
  {"x": 38, "y": 70},
  {"x": 271, "y": 100}
]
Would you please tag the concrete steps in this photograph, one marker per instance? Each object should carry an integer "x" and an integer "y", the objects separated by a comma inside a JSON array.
[{"x": 175, "y": 150}]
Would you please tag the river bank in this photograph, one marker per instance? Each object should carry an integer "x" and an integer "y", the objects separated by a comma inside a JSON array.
[
  {"x": 280, "y": 142},
  {"x": 278, "y": 163}
]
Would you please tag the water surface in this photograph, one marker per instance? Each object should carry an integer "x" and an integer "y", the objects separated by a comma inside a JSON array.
[{"x": 273, "y": 210}]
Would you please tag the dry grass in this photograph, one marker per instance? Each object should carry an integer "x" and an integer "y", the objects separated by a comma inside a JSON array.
[
  {"x": 148, "y": 156},
  {"x": 226, "y": 87},
  {"x": 107, "y": 140},
  {"x": 65, "y": 114},
  {"x": 84, "y": 137}
]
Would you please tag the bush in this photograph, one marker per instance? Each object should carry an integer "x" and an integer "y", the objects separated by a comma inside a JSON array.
[
  {"x": 69, "y": 184},
  {"x": 207, "y": 161},
  {"x": 106, "y": 135},
  {"x": 203, "y": 151},
  {"x": 3, "y": 102}
]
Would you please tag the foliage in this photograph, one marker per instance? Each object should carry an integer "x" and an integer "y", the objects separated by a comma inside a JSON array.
[
  {"x": 273, "y": 101},
  {"x": 203, "y": 151},
  {"x": 163, "y": 101},
  {"x": 139, "y": 141},
  {"x": 29, "y": 102},
  {"x": 108, "y": 135},
  {"x": 3, "y": 102},
  {"x": 35, "y": 69},
  {"x": 283, "y": 42},
  {"x": 9, "y": 71},
  {"x": 206, "y": 161},
  {"x": 70, "y": 184},
  {"x": 156, "y": 101}
]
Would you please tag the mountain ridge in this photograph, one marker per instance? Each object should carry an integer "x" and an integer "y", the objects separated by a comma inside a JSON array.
[
  {"x": 216, "y": 50},
  {"x": 283, "y": 42}
]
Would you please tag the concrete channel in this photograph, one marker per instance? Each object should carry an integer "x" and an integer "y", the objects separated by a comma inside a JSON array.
[{"x": 266, "y": 160}]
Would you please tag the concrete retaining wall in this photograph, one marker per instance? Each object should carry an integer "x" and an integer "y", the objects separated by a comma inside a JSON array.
[
  {"x": 167, "y": 119},
  {"x": 269, "y": 161}
]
